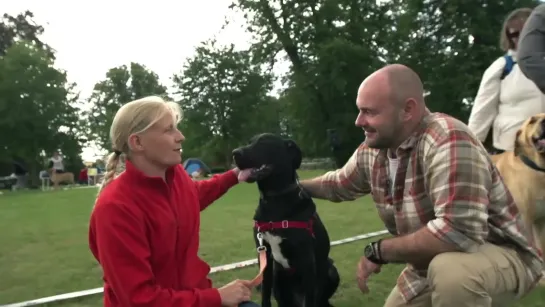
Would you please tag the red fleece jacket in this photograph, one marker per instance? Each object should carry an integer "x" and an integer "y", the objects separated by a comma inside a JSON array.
[{"x": 144, "y": 232}]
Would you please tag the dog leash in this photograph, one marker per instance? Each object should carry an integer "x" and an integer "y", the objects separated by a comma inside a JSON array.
[{"x": 262, "y": 254}]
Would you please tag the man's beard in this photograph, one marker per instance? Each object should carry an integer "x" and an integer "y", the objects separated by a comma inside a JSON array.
[
  {"x": 379, "y": 142},
  {"x": 383, "y": 140}
]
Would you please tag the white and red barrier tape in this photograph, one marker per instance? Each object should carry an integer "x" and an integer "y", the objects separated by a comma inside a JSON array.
[{"x": 221, "y": 268}]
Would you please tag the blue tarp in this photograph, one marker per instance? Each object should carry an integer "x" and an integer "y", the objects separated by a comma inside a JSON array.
[{"x": 193, "y": 164}]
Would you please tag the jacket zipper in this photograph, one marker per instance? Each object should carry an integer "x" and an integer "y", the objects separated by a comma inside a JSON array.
[{"x": 175, "y": 213}]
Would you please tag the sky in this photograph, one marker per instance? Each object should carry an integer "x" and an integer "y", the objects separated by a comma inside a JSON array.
[{"x": 94, "y": 36}]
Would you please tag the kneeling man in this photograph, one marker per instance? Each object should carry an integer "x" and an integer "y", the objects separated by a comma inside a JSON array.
[{"x": 454, "y": 222}]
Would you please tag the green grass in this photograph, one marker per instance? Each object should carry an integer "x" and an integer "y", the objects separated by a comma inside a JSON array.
[{"x": 44, "y": 252}]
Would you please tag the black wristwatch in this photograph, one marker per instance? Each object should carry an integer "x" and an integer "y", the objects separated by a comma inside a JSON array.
[{"x": 372, "y": 252}]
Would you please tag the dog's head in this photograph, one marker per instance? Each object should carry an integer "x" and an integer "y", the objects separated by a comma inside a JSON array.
[
  {"x": 269, "y": 155},
  {"x": 530, "y": 139}
]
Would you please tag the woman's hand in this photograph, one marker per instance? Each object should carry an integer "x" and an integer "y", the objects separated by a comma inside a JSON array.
[
  {"x": 242, "y": 175},
  {"x": 235, "y": 292}
]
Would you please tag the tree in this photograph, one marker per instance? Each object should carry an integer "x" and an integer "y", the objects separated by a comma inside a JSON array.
[
  {"x": 21, "y": 27},
  {"x": 332, "y": 45},
  {"x": 122, "y": 84},
  {"x": 225, "y": 100},
  {"x": 37, "y": 112},
  {"x": 38, "y": 105},
  {"x": 450, "y": 44}
]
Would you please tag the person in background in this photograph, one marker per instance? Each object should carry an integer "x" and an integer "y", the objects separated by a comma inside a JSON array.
[
  {"x": 56, "y": 163},
  {"x": 144, "y": 228},
  {"x": 506, "y": 97},
  {"x": 56, "y": 166},
  {"x": 82, "y": 177},
  {"x": 453, "y": 221},
  {"x": 21, "y": 172},
  {"x": 532, "y": 47}
]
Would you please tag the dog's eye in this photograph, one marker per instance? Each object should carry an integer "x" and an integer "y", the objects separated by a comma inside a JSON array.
[{"x": 533, "y": 120}]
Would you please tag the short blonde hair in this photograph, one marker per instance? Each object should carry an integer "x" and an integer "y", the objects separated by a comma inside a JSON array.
[
  {"x": 518, "y": 15},
  {"x": 135, "y": 117}
]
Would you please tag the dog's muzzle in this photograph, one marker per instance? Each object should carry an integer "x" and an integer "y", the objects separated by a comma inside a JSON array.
[
  {"x": 539, "y": 141},
  {"x": 260, "y": 173}
]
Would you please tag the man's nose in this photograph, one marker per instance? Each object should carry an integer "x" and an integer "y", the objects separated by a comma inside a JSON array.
[{"x": 360, "y": 121}]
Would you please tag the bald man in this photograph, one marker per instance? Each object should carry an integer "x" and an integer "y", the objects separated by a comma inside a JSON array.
[{"x": 453, "y": 221}]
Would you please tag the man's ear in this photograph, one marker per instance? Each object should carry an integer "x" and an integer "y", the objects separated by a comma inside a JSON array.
[
  {"x": 295, "y": 153},
  {"x": 408, "y": 109}
]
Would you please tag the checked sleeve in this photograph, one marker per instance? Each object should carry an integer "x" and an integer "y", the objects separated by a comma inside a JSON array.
[
  {"x": 351, "y": 181},
  {"x": 458, "y": 180}
]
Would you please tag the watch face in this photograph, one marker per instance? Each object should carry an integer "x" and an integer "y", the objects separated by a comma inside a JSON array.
[{"x": 368, "y": 251}]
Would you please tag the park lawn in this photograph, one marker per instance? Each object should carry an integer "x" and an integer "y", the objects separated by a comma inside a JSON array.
[{"x": 44, "y": 252}]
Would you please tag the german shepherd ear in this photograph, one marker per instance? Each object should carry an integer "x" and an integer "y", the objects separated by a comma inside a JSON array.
[
  {"x": 517, "y": 149},
  {"x": 295, "y": 153}
]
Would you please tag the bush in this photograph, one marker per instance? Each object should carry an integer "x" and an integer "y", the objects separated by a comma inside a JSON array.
[
  {"x": 318, "y": 163},
  {"x": 216, "y": 170}
]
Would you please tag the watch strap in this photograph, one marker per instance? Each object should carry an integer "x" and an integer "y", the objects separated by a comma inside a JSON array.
[{"x": 376, "y": 255}]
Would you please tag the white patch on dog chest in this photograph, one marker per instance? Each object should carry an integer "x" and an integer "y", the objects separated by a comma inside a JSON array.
[{"x": 274, "y": 242}]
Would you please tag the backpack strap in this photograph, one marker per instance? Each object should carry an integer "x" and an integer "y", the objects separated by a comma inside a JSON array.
[{"x": 509, "y": 63}]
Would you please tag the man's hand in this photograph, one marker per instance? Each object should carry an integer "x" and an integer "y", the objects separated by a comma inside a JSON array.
[{"x": 365, "y": 269}]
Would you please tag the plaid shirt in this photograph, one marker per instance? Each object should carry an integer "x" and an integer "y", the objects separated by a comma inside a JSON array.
[{"x": 445, "y": 181}]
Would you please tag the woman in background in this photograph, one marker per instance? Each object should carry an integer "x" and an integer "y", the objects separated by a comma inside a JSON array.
[{"x": 506, "y": 97}]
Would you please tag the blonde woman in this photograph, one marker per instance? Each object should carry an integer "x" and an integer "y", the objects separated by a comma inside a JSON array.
[
  {"x": 144, "y": 228},
  {"x": 506, "y": 97}
]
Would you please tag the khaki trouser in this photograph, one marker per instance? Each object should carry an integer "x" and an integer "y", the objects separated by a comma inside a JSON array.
[{"x": 492, "y": 276}]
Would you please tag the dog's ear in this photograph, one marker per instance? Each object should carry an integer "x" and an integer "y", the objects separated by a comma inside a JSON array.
[
  {"x": 295, "y": 153},
  {"x": 516, "y": 148}
]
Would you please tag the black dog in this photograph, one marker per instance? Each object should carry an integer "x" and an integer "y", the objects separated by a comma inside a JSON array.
[{"x": 302, "y": 274}]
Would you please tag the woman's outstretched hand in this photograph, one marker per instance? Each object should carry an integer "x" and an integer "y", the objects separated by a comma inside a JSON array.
[{"x": 242, "y": 175}]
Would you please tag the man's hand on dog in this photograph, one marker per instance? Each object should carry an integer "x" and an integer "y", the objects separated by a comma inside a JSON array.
[{"x": 365, "y": 269}]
